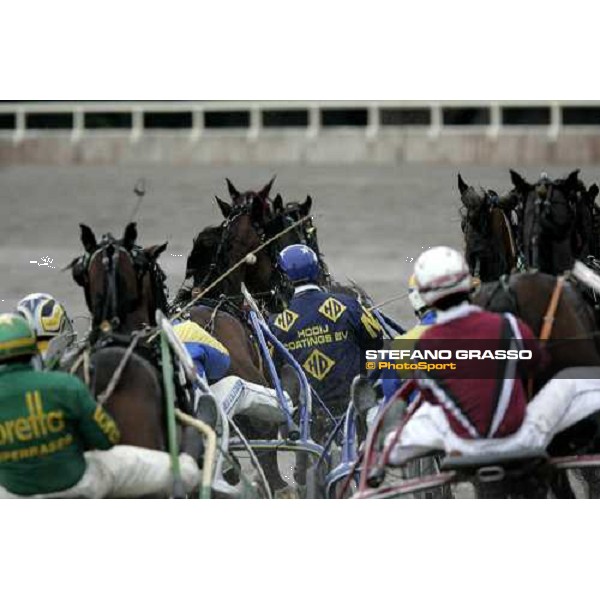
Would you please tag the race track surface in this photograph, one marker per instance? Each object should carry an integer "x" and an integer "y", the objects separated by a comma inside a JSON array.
[{"x": 371, "y": 219}]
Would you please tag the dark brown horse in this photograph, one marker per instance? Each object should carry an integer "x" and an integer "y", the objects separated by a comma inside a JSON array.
[
  {"x": 123, "y": 287},
  {"x": 490, "y": 247},
  {"x": 572, "y": 341},
  {"x": 245, "y": 198},
  {"x": 247, "y": 226}
]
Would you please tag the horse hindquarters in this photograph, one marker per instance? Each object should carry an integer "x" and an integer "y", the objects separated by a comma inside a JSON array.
[{"x": 137, "y": 401}]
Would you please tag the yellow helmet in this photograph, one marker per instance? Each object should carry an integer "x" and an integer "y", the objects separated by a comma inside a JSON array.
[{"x": 48, "y": 319}]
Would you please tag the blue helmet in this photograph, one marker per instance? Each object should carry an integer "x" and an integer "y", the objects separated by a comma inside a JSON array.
[{"x": 299, "y": 263}]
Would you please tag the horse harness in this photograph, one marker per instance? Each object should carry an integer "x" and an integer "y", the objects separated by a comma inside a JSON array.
[{"x": 142, "y": 265}]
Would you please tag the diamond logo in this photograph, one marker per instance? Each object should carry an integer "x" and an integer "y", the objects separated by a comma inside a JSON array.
[
  {"x": 332, "y": 309},
  {"x": 286, "y": 319},
  {"x": 318, "y": 364}
]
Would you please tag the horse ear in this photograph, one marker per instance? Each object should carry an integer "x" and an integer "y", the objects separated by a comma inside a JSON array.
[
  {"x": 257, "y": 212},
  {"x": 462, "y": 186},
  {"x": 278, "y": 204},
  {"x": 593, "y": 192},
  {"x": 88, "y": 239},
  {"x": 264, "y": 193},
  {"x": 232, "y": 191},
  {"x": 225, "y": 208},
  {"x": 130, "y": 235},
  {"x": 306, "y": 206},
  {"x": 572, "y": 179},
  {"x": 517, "y": 180},
  {"x": 153, "y": 252}
]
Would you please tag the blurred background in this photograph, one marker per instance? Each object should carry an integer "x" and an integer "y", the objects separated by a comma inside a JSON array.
[{"x": 382, "y": 175}]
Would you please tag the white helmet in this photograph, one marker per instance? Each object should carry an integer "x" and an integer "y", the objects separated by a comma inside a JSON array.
[
  {"x": 441, "y": 272},
  {"x": 414, "y": 297},
  {"x": 48, "y": 318}
]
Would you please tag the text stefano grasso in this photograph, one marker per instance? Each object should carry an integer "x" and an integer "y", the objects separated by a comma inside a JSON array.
[{"x": 448, "y": 354}]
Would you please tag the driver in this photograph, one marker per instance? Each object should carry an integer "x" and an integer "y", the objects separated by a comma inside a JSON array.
[
  {"x": 473, "y": 415},
  {"x": 52, "y": 327},
  {"x": 57, "y": 442},
  {"x": 325, "y": 332}
]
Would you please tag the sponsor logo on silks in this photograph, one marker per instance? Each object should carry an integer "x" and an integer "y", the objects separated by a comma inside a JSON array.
[
  {"x": 332, "y": 309},
  {"x": 318, "y": 364},
  {"x": 36, "y": 451},
  {"x": 36, "y": 425},
  {"x": 107, "y": 425},
  {"x": 371, "y": 324},
  {"x": 286, "y": 319}
]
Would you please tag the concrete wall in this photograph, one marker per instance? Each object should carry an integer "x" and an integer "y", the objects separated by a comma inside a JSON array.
[{"x": 521, "y": 147}]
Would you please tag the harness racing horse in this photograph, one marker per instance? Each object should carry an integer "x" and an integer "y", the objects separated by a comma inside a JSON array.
[
  {"x": 551, "y": 239},
  {"x": 245, "y": 198},
  {"x": 490, "y": 247},
  {"x": 123, "y": 287},
  {"x": 215, "y": 251},
  {"x": 247, "y": 226},
  {"x": 571, "y": 342},
  {"x": 586, "y": 234}
]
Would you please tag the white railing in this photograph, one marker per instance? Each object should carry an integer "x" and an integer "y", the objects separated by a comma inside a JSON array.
[{"x": 15, "y": 114}]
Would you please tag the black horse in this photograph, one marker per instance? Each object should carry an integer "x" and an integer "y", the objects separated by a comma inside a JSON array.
[
  {"x": 557, "y": 221},
  {"x": 490, "y": 246}
]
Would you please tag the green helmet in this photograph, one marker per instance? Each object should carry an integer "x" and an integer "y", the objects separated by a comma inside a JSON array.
[{"x": 16, "y": 337}]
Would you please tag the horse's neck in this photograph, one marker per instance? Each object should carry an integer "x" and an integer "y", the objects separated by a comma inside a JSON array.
[{"x": 140, "y": 317}]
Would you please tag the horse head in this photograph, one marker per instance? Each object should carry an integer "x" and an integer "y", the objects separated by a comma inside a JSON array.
[
  {"x": 549, "y": 219},
  {"x": 286, "y": 214},
  {"x": 241, "y": 199},
  {"x": 216, "y": 250},
  {"x": 122, "y": 282},
  {"x": 305, "y": 233},
  {"x": 489, "y": 248}
]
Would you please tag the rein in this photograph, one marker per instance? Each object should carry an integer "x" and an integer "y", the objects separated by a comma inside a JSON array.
[
  {"x": 248, "y": 259},
  {"x": 116, "y": 377}
]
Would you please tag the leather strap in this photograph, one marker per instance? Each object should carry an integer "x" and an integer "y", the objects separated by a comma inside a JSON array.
[{"x": 548, "y": 321}]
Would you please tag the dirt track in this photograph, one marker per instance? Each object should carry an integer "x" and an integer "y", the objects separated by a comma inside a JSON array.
[{"x": 371, "y": 220}]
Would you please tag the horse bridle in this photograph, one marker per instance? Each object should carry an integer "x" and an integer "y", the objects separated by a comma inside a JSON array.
[
  {"x": 263, "y": 232},
  {"x": 109, "y": 248},
  {"x": 482, "y": 218}
]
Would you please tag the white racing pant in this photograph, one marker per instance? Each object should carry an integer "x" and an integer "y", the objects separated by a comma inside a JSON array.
[
  {"x": 239, "y": 397},
  {"x": 558, "y": 405},
  {"x": 126, "y": 472}
]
